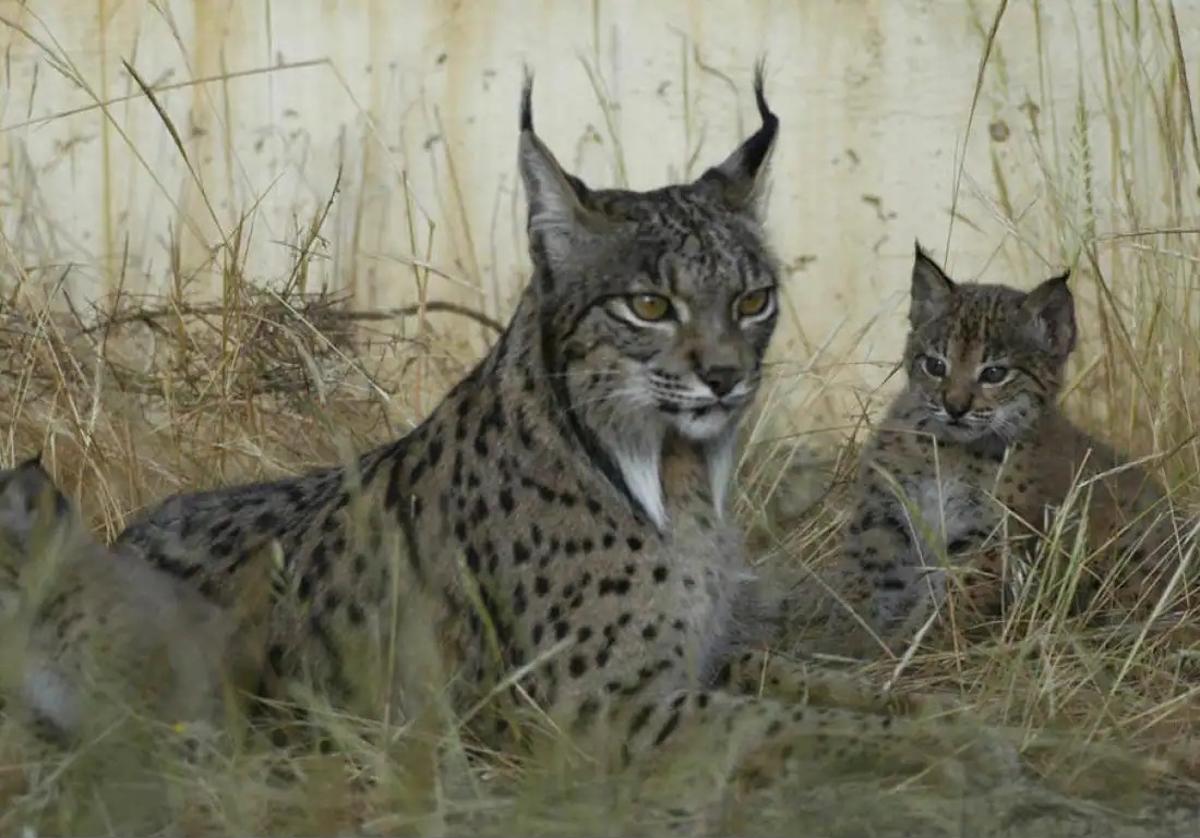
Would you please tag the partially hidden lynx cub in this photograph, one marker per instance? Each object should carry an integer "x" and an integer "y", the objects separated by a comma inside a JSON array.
[
  {"x": 86, "y": 636},
  {"x": 974, "y": 457},
  {"x": 564, "y": 508}
]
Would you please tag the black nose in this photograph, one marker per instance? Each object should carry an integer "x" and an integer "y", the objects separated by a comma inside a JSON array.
[
  {"x": 957, "y": 410},
  {"x": 721, "y": 380}
]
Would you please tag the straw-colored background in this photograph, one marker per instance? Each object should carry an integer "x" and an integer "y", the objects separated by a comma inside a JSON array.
[{"x": 415, "y": 103}]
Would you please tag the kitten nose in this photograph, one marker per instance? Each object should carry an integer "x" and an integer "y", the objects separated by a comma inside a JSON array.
[
  {"x": 721, "y": 380},
  {"x": 956, "y": 408}
]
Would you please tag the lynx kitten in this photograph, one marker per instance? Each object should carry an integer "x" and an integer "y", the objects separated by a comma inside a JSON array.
[{"x": 976, "y": 447}]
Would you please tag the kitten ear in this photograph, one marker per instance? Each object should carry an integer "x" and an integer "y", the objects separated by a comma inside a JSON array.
[
  {"x": 740, "y": 177},
  {"x": 1051, "y": 316},
  {"x": 557, "y": 212},
  {"x": 931, "y": 289}
]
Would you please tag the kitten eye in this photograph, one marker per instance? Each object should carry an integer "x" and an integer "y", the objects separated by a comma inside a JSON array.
[
  {"x": 753, "y": 302},
  {"x": 993, "y": 374},
  {"x": 936, "y": 367},
  {"x": 649, "y": 307}
]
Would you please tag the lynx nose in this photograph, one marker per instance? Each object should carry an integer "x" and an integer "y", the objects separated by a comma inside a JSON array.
[{"x": 721, "y": 380}]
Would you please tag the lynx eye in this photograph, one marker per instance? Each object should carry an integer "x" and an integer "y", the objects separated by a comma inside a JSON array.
[
  {"x": 994, "y": 374},
  {"x": 649, "y": 307},
  {"x": 936, "y": 367},
  {"x": 753, "y": 303}
]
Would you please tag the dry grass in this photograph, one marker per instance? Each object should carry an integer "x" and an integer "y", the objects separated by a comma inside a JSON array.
[{"x": 132, "y": 398}]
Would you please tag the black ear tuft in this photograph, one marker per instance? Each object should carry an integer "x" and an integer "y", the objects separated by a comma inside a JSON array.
[
  {"x": 527, "y": 100},
  {"x": 760, "y": 74},
  {"x": 739, "y": 176},
  {"x": 757, "y": 147}
]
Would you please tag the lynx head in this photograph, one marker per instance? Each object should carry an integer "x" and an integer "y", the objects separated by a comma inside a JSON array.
[
  {"x": 985, "y": 360},
  {"x": 655, "y": 307},
  {"x": 30, "y": 502}
]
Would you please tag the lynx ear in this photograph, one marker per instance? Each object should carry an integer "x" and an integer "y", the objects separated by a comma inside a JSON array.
[
  {"x": 1051, "y": 310},
  {"x": 557, "y": 213},
  {"x": 740, "y": 177},
  {"x": 931, "y": 289}
]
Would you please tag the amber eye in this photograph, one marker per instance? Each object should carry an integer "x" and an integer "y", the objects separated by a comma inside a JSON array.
[
  {"x": 993, "y": 374},
  {"x": 934, "y": 366},
  {"x": 649, "y": 307},
  {"x": 753, "y": 302}
]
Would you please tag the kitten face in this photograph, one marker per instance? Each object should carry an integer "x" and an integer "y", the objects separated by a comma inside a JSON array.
[{"x": 985, "y": 360}]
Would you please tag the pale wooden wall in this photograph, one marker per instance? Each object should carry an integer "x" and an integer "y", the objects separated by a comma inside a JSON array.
[{"x": 415, "y": 101}]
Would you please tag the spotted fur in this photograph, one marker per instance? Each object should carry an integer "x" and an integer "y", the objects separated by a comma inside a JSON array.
[{"x": 974, "y": 456}]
